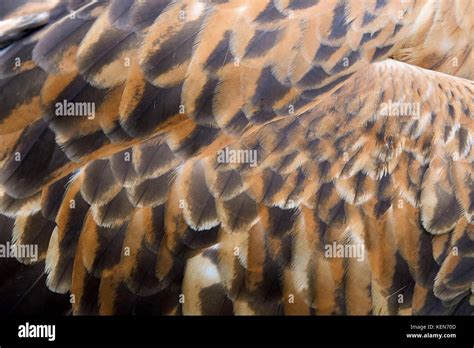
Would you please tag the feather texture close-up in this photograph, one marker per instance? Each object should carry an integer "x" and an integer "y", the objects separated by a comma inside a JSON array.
[{"x": 237, "y": 157}]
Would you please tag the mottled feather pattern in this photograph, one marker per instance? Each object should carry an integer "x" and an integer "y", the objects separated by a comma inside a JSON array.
[{"x": 202, "y": 157}]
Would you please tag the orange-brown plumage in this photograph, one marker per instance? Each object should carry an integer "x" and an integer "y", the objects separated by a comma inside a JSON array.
[{"x": 138, "y": 208}]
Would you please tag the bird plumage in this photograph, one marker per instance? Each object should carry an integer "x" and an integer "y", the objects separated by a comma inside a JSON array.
[{"x": 134, "y": 212}]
